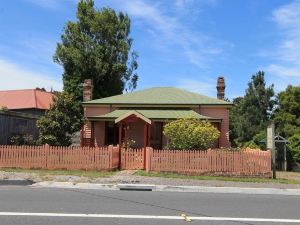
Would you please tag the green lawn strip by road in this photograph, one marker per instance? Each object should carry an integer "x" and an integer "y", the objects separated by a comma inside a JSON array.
[
  {"x": 81, "y": 173},
  {"x": 236, "y": 179}
]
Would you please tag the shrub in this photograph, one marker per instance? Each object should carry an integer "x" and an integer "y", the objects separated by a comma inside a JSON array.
[
  {"x": 20, "y": 139},
  {"x": 294, "y": 146},
  {"x": 130, "y": 143},
  {"x": 256, "y": 141},
  {"x": 190, "y": 133},
  {"x": 3, "y": 108},
  {"x": 62, "y": 120}
]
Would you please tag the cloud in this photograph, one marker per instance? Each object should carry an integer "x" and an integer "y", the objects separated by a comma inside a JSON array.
[
  {"x": 184, "y": 4},
  {"x": 287, "y": 18},
  {"x": 13, "y": 76},
  {"x": 286, "y": 55},
  {"x": 207, "y": 87},
  {"x": 41, "y": 49},
  {"x": 48, "y": 4},
  {"x": 283, "y": 76},
  {"x": 284, "y": 71},
  {"x": 170, "y": 31}
]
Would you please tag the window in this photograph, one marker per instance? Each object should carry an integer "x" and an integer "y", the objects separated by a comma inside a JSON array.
[
  {"x": 20, "y": 125},
  {"x": 111, "y": 133}
]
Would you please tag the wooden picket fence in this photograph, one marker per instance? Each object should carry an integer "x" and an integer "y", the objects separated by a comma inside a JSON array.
[
  {"x": 217, "y": 162},
  {"x": 50, "y": 157},
  {"x": 132, "y": 159}
]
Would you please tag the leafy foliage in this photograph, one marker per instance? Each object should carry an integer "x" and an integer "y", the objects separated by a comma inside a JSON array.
[
  {"x": 287, "y": 118},
  {"x": 61, "y": 121},
  {"x": 287, "y": 115},
  {"x": 20, "y": 139},
  {"x": 190, "y": 133},
  {"x": 97, "y": 46},
  {"x": 255, "y": 141},
  {"x": 294, "y": 146},
  {"x": 3, "y": 108},
  {"x": 252, "y": 112}
]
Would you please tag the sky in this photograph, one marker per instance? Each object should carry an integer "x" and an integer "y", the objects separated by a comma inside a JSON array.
[{"x": 181, "y": 43}]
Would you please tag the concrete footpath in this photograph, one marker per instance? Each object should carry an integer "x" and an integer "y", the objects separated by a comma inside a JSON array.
[
  {"x": 128, "y": 180},
  {"x": 129, "y": 177},
  {"x": 167, "y": 188}
]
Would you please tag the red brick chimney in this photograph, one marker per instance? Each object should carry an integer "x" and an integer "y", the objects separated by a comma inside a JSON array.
[
  {"x": 221, "y": 88},
  {"x": 87, "y": 90}
]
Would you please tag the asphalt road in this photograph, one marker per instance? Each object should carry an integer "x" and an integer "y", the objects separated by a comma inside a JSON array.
[{"x": 76, "y": 206}]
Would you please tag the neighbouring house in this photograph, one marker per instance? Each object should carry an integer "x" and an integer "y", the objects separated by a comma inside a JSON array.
[
  {"x": 141, "y": 115},
  {"x": 19, "y": 111}
]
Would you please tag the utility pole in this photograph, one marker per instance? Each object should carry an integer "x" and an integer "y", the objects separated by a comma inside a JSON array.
[{"x": 271, "y": 145}]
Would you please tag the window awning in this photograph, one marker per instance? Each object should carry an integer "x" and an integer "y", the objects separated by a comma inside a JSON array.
[{"x": 151, "y": 114}]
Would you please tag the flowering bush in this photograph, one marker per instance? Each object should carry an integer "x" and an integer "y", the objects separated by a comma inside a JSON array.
[{"x": 190, "y": 133}]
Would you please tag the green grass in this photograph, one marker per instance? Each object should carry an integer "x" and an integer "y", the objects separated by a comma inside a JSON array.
[
  {"x": 81, "y": 173},
  {"x": 236, "y": 179}
]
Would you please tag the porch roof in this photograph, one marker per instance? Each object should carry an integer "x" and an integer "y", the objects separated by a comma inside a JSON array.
[{"x": 153, "y": 114}]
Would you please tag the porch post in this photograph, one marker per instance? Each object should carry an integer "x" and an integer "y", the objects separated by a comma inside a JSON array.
[
  {"x": 149, "y": 134},
  {"x": 120, "y": 143},
  {"x": 145, "y": 143},
  {"x": 92, "y": 141},
  {"x": 145, "y": 135},
  {"x": 120, "y": 134},
  {"x": 126, "y": 136}
]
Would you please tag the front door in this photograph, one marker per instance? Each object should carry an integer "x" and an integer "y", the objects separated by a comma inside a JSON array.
[
  {"x": 156, "y": 135},
  {"x": 111, "y": 133}
]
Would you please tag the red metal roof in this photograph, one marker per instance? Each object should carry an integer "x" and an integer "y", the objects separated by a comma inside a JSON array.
[{"x": 26, "y": 99}]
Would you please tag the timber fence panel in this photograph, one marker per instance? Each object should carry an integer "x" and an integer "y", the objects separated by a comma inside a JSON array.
[
  {"x": 212, "y": 161},
  {"x": 53, "y": 157}
]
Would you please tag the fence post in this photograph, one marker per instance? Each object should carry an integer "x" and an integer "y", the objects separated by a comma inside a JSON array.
[
  {"x": 110, "y": 153},
  {"x": 47, "y": 150},
  {"x": 148, "y": 158}
]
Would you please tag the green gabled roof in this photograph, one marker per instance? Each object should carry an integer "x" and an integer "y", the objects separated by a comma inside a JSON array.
[
  {"x": 153, "y": 114},
  {"x": 160, "y": 96}
]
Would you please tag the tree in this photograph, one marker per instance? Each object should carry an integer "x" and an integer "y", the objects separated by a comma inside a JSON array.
[
  {"x": 190, "y": 133},
  {"x": 294, "y": 146},
  {"x": 287, "y": 114},
  {"x": 61, "y": 121},
  {"x": 235, "y": 120},
  {"x": 256, "y": 141},
  {"x": 287, "y": 119},
  {"x": 97, "y": 46},
  {"x": 251, "y": 113}
]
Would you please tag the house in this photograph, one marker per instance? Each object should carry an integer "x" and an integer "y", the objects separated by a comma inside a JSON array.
[
  {"x": 31, "y": 101},
  {"x": 19, "y": 111},
  {"x": 141, "y": 115}
]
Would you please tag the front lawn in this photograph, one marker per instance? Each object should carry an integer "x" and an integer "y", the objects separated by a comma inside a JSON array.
[
  {"x": 235, "y": 179},
  {"x": 80, "y": 173}
]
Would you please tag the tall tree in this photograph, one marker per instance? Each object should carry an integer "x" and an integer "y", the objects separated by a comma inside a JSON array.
[
  {"x": 61, "y": 121},
  {"x": 287, "y": 119},
  {"x": 252, "y": 112},
  {"x": 235, "y": 120},
  {"x": 287, "y": 114},
  {"x": 97, "y": 46}
]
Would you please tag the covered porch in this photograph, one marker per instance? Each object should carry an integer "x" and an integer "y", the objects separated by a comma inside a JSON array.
[{"x": 136, "y": 128}]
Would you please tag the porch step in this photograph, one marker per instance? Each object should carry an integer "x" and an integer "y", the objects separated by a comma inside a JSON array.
[{"x": 136, "y": 187}]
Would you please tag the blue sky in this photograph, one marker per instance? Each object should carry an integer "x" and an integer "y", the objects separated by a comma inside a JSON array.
[{"x": 182, "y": 43}]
